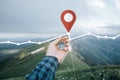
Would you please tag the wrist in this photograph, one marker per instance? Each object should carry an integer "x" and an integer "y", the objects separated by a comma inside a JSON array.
[{"x": 47, "y": 55}]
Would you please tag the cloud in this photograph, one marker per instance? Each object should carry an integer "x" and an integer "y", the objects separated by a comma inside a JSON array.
[
  {"x": 117, "y": 4},
  {"x": 25, "y": 35},
  {"x": 98, "y": 3},
  {"x": 99, "y": 27},
  {"x": 111, "y": 29},
  {"x": 92, "y": 24}
]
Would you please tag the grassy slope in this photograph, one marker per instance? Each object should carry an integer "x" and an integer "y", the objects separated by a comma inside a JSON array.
[
  {"x": 24, "y": 63},
  {"x": 19, "y": 66},
  {"x": 71, "y": 69}
]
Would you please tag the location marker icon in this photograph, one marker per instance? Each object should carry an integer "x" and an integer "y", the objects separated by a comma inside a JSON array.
[{"x": 68, "y": 17}]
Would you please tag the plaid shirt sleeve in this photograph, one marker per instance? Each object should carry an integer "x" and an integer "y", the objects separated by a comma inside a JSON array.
[{"x": 45, "y": 70}]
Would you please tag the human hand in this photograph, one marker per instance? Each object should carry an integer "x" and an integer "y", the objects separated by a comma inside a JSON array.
[{"x": 53, "y": 49}]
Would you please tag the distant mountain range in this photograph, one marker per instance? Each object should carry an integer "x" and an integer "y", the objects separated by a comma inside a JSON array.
[
  {"x": 95, "y": 51},
  {"x": 18, "y": 40}
]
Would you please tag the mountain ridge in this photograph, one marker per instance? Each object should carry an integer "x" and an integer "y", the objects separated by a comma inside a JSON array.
[{"x": 98, "y": 51}]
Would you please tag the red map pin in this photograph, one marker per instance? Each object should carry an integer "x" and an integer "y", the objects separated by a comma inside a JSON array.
[{"x": 68, "y": 18}]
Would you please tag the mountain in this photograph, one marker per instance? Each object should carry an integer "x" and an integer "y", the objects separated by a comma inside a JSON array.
[
  {"x": 97, "y": 51},
  {"x": 88, "y": 60},
  {"x": 12, "y": 46},
  {"x": 6, "y": 45},
  {"x": 8, "y": 51}
]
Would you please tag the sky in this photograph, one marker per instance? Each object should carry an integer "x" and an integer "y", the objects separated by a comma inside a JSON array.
[{"x": 40, "y": 18}]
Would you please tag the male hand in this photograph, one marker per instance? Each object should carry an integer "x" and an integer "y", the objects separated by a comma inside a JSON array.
[{"x": 53, "y": 49}]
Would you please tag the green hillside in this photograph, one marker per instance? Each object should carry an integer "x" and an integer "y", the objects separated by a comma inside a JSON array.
[
  {"x": 24, "y": 63},
  {"x": 73, "y": 67}
]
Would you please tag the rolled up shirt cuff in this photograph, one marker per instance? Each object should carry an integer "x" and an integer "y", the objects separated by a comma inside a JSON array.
[{"x": 50, "y": 62}]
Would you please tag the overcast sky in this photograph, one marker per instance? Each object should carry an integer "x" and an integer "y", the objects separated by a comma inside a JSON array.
[{"x": 43, "y": 17}]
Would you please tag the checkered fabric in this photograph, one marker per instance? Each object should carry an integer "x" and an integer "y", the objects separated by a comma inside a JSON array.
[{"x": 45, "y": 70}]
